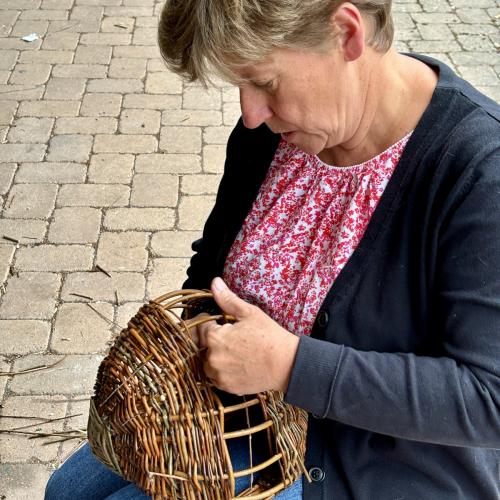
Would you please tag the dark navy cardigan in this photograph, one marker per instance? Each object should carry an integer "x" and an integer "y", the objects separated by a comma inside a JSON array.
[{"x": 401, "y": 374}]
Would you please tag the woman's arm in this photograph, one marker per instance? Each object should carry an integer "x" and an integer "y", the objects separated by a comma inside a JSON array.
[
  {"x": 248, "y": 156},
  {"x": 454, "y": 399}
]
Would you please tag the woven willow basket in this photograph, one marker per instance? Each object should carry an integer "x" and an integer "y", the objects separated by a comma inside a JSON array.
[{"x": 156, "y": 420}]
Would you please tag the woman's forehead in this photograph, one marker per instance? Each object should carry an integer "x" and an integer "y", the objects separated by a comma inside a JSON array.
[
  {"x": 250, "y": 69},
  {"x": 282, "y": 61},
  {"x": 277, "y": 59},
  {"x": 251, "y": 73}
]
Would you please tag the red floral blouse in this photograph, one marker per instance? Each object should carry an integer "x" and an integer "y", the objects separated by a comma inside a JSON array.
[{"x": 304, "y": 225}]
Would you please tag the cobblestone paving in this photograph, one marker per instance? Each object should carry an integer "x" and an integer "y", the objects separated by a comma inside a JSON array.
[{"x": 107, "y": 159}]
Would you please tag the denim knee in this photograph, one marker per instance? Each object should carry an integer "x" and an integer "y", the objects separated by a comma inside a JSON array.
[
  {"x": 81, "y": 477},
  {"x": 54, "y": 485}
]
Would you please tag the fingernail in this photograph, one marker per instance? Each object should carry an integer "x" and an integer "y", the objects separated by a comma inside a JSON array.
[{"x": 219, "y": 284}]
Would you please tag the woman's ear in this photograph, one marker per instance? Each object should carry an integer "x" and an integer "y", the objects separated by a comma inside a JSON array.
[{"x": 349, "y": 26}]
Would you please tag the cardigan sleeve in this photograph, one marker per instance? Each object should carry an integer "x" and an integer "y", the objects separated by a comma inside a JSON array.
[
  {"x": 248, "y": 156},
  {"x": 453, "y": 399},
  {"x": 202, "y": 265}
]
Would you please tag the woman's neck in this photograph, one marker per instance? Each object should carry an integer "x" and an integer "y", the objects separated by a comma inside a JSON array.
[{"x": 399, "y": 89}]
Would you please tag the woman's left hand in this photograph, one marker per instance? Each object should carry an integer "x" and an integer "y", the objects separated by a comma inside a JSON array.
[{"x": 252, "y": 355}]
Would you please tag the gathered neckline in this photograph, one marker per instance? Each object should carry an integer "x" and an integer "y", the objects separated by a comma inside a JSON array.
[{"x": 364, "y": 164}]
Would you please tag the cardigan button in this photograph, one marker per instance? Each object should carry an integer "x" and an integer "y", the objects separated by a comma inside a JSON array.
[
  {"x": 322, "y": 319},
  {"x": 317, "y": 474}
]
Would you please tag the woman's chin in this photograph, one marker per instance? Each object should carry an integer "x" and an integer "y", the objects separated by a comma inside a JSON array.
[
  {"x": 293, "y": 138},
  {"x": 312, "y": 145}
]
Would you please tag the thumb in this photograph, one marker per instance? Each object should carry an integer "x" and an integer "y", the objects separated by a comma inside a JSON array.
[{"x": 227, "y": 300}]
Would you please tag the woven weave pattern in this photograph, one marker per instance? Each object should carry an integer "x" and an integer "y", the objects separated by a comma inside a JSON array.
[{"x": 156, "y": 420}]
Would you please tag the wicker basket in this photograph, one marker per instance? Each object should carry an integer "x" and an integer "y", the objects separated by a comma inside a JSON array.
[{"x": 156, "y": 420}]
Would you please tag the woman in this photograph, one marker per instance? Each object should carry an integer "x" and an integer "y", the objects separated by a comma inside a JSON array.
[{"x": 356, "y": 230}]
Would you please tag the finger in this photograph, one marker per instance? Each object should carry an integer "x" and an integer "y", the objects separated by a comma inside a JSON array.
[
  {"x": 195, "y": 336},
  {"x": 210, "y": 373},
  {"x": 207, "y": 325},
  {"x": 192, "y": 331},
  {"x": 228, "y": 301},
  {"x": 204, "y": 332},
  {"x": 192, "y": 324}
]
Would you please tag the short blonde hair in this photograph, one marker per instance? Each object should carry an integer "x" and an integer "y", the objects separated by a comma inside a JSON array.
[{"x": 202, "y": 37}]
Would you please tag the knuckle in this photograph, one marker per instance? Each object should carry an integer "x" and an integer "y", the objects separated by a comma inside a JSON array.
[
  {"x": 224, "y": 329},
  {"x": 208, "y": 341},
  {"x": 216, "y": 377},
  {"x": 212, "y": 337},
  {"x": 212, "y": 361},
  {"x": 203, "y": 328},
  {"x": 251, "y": 309}
]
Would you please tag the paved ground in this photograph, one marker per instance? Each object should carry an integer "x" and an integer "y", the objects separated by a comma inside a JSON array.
[{"x": 108, "y": 160}]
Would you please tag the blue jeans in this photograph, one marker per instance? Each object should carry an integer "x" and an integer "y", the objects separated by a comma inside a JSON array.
[{"x": 83, "y": 477}]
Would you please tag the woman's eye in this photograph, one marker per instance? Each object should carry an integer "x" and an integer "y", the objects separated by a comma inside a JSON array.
[{"x": 265, "y": 85}]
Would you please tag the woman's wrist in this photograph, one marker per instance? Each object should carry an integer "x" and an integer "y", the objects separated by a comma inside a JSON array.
[{"x": 284, "y": 364}]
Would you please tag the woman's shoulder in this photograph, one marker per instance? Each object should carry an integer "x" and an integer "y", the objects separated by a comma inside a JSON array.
[
  {"x": 474, "y": 141},
  {"x": 478, "y": 117},
  {"x": 457, "y": 92},
  {"x": 470, "y": 150},
  {"x": 456, "y": 146},
  {"x": 461, "y": 126}
]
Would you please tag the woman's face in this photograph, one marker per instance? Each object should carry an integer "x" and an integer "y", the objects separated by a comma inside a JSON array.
[{"x": 313, "y": 100}]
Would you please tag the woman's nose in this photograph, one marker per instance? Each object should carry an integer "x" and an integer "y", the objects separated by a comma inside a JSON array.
[{"x": 254, "y": 107}]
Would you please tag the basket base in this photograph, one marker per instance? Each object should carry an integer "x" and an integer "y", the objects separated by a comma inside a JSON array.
[{"x": 99, "y": 436}]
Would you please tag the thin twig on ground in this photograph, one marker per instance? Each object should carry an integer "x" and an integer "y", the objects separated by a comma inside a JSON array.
[
  {"x": 30, "y": 370},
  {"x": 44, "y": 421},
  {"x": 99, "y": 268},
  {"x": 8, "y": 238},
  {"x": 110, "y": 321},
  {"x": 82, "y": 296}
]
